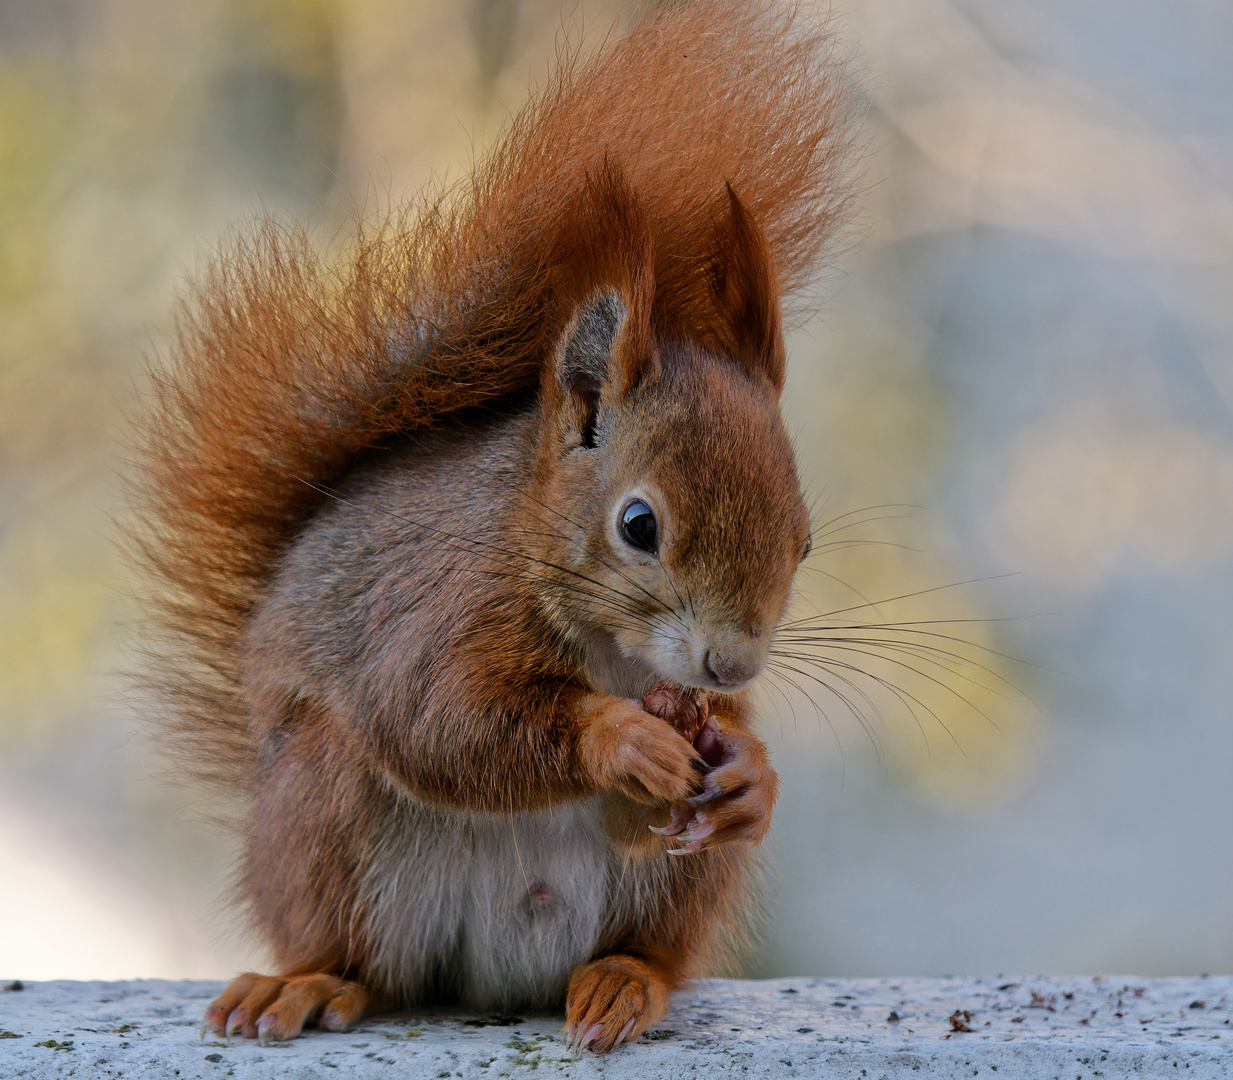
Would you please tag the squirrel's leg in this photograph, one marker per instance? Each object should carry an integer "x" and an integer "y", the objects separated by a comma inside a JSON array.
[
  {"x": 276, "y": 1008},
  {"x": 539, "y": 745},
  {"x": 617, "y": 997},
  {"x": 313, "y": 802},
  {"x": 701, "y": 904},
  {"x": 700, "y": 909}
]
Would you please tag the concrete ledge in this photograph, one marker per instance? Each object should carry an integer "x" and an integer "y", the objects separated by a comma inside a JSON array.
[{"x": 873, "y": 1028}]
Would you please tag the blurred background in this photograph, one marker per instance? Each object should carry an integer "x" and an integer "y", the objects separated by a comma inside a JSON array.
[{"x": 1020, "y": 381}]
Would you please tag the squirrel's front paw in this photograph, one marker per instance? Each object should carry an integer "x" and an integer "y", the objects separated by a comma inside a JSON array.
[
  {"x": 625, "y": 748},
  {"x": 737, "y": 796},
  {"x": 276, "y": 1008}
]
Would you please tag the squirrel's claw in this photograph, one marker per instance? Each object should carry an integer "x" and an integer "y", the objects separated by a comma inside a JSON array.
[
  {"x": 678, "y": 820},
  {"x": 694, "y": 838},
  {"x": 578, "y": 1036},
  {"x": 263, "y": 1028},
  {"x": 710, "y": 790},
  {"x": 234, "y": 1023}
]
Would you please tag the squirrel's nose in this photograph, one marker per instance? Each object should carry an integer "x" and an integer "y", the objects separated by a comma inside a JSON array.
[{"x": 726, "y": 671}]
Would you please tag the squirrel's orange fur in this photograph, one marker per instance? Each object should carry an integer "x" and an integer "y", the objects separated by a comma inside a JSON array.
[{"x": 694, "y": 169}]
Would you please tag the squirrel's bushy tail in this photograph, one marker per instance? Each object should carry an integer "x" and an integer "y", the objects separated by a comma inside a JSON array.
[{"x": 289, "y": 364}]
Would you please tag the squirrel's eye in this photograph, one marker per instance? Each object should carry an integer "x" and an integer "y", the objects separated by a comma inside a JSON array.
[
  {"x": 639, "y": 527},
  {"x": 808, "y": 548}
]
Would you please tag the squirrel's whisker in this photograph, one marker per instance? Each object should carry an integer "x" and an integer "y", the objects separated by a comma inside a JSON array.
[
  {"x": 856, "y": 710},
  {"x": 910, "y": 596},
  {"x": 946, "y": 687},
  {"x": 947, "y": 659}
]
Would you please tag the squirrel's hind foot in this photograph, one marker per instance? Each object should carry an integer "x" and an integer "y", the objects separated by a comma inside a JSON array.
[
  {"x": 276, "y": 1008},
  {"x": 611, "y": 1001}
]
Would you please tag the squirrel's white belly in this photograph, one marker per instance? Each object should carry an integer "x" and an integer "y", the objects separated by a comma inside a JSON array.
[{"x": 497, "y": 908}]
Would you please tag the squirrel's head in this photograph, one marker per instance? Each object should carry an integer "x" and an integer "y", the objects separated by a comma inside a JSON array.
[{"x": 670, "y": 510}]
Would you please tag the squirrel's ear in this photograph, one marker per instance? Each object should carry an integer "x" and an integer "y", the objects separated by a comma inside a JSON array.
[
  {"x": 585, "y": 358},
  {"x": 747, "y": 294},
  {"x": 602, "y": 280}
]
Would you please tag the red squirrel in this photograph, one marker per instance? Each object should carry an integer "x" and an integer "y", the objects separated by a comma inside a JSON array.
[{"x": 467, "y": 543}]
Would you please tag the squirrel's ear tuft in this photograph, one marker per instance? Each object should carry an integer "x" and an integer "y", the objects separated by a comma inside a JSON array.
[
  {"x": 746, "y": 292},
  {"x": 602, "y": 283},
  {"x": 584, "y": 357},
  {"x": 602, "y": 280}
]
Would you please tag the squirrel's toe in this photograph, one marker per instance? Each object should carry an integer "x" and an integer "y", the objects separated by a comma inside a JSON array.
[{"x": 275, "y": 1009}]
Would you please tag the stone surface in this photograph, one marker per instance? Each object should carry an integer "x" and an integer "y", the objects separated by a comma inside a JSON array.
[{"x": 872, "y": 1028}]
